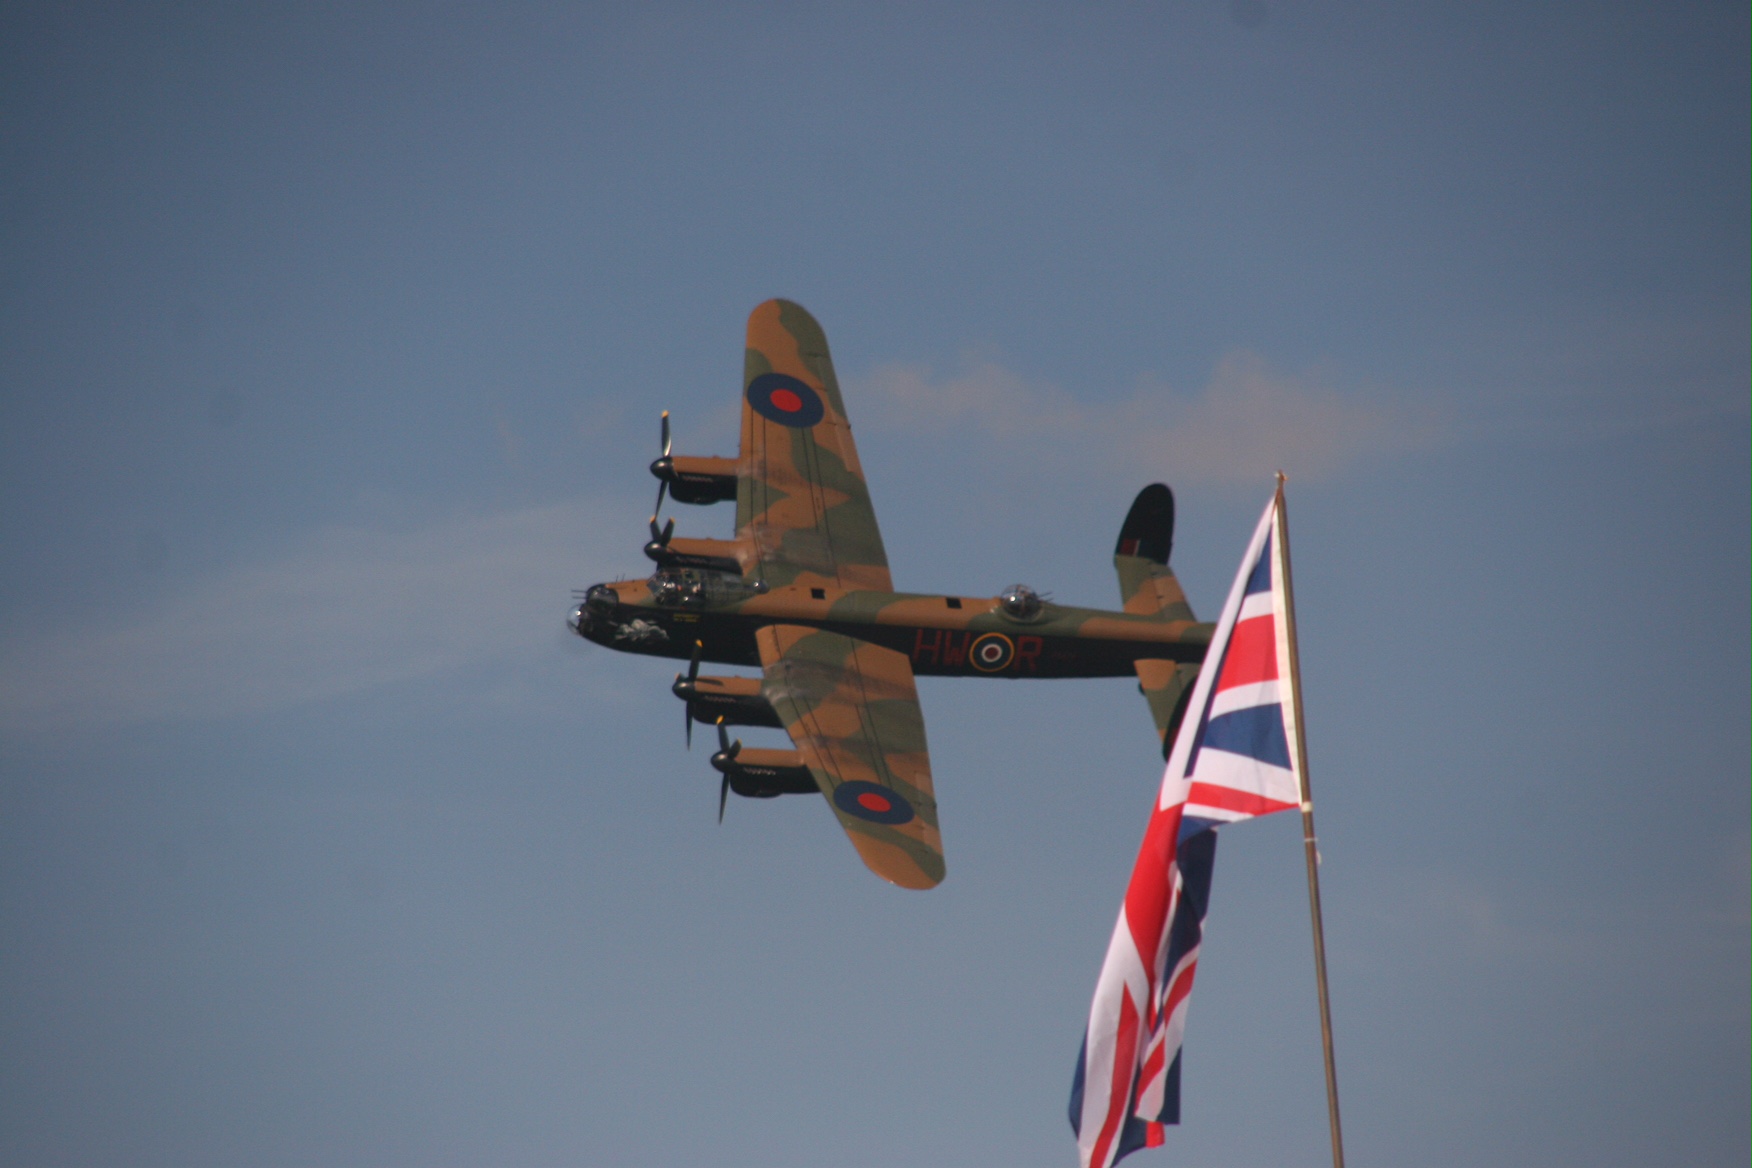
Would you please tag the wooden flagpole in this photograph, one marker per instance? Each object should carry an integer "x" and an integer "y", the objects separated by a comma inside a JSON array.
[{"x": 1308, "y": 839}]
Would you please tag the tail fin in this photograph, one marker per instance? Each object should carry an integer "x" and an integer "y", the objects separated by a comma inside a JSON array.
[{"x": 1148, "y": 588}]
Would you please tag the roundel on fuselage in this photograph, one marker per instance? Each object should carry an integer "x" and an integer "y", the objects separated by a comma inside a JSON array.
[
  {"x": 992, "y": 652},
  {"x": 780, "y": 398}
]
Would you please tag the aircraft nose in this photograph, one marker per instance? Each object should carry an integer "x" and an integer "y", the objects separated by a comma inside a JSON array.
[{"x": 599, "y": 600}]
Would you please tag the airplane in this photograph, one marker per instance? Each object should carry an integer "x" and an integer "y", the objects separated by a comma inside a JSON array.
[{"x": 803, "y": 593}]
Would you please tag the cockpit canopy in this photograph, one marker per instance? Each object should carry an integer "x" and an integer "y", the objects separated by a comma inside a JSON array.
[{"x": 695, "y": 588}]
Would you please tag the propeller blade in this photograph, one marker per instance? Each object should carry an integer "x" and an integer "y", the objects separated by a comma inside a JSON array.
[
  {"x": 730, "y": 749},
  {"x": 661, "y": 534},
  {"x": 662, "y": 468},
  {"x": 686, "y": 691}
]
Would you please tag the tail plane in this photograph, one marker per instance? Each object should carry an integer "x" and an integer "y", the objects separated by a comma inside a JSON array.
[{"x": 1148, "y": 588}]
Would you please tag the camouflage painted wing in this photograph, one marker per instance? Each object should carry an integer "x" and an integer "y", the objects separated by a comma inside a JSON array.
[
  {"x": 801, "y": 503},
  {"x": 853, "y": 712}
]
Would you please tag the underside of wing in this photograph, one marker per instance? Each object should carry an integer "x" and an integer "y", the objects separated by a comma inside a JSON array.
[
  {"x": 853, "y": 712},
  {"x": 801, "y": 501}
]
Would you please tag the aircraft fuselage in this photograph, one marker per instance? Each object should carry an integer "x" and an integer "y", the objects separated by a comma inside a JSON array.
[{"x": 955, "y": 636}]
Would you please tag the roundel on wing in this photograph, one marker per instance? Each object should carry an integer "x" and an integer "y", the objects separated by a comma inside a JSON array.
[
  {"x": 872, "y": 801},
  {"x": 785, "y": 400},
  {"x": 992, "y": 652}
]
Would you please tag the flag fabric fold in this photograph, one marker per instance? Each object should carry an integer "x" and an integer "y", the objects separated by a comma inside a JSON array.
[{"x": 1232, "y": 759}]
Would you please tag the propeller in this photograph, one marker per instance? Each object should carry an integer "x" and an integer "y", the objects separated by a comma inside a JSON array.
[
  {"x": 662, "y": 466},
  {"x": 684, "y": 689},
  {"x": 728, "y": 750}
]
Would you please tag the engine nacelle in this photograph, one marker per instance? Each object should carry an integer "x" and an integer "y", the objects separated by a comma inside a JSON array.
[
  {"x": 764, "y": 774},
  {"x": 705, "y": 555},
  {"x": 736, "y": 700},
  {"x": 697, "y": 480}
]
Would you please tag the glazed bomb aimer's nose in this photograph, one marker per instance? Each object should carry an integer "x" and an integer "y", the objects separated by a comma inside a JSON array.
[{"x": 599, "y": 600}]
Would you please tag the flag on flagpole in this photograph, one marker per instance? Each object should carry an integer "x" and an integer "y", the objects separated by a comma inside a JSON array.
[{"x": 1232, "y": 759}]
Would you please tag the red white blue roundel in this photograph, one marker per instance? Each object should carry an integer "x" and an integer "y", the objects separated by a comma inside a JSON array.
[
  {"x": 785, "y": 400},
  {"x": 992, "y": 652},
  {"x": 870, "y": 801}
]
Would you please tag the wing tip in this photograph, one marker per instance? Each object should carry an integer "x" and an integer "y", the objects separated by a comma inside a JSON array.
[
  {"x": 805, "y": 331},
  {"x": 897, "y": 865}
]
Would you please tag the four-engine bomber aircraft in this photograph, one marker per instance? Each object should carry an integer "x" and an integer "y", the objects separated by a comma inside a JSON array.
[{"x": 803, "y": 592}]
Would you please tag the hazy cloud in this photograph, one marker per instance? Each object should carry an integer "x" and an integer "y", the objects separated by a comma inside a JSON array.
[
  {"x": 352, "y": 607},
  {"x": 1246, "y": 422}
]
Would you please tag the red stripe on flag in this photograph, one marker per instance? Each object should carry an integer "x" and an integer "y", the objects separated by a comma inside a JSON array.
[
  {"x": 1229, "y": 799},
  {"x": 1151, "y": 1068},
  {"x": 1252, "y": 653},
  {"x": 1147, "y": 893},
  {"x": 1125, "y": 1053},
  {"x": 1179, "y": 988}
]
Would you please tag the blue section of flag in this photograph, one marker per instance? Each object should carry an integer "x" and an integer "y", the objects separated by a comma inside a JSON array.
[
  {"x": 1201, "y": 729},
  {"x": 1134, "y": 1135},
  {"x": 1260, "y": 580},
  {"x": 1256, "y": 732},
  {"x": 1192, "y": 825},
  {"x": 1171, "y": 1092},
  {"x": 1196, "y": 857},
  {"x": 1077, "y": 1085}
]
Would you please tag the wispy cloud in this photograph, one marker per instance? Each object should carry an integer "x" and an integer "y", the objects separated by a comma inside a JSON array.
[
  {"x": 359, "y": 606},
  {"x": 1247, "y": 421},
  {"x": 350, "y": 608}
]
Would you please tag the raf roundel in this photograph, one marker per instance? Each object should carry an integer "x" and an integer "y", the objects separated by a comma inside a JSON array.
[
  {"x": 992, "y": 652},
  {"x": 785, "y": 400},
  {"x": 871, "y": 801}
]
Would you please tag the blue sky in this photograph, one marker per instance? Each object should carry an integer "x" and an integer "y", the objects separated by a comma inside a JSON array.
[{"x": 332, "y": 344}]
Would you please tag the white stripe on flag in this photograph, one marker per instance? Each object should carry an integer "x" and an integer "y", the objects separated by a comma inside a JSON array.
[
  {"x": 1258, "y": 604},
  {"x": 1245, "y": 697}
]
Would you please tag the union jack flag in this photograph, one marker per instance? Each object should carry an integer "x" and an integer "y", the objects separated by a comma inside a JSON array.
[{"x": 1231, "y": 760}]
